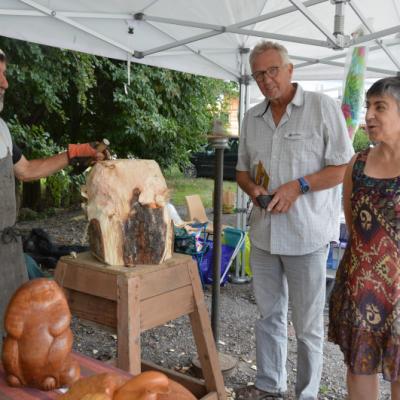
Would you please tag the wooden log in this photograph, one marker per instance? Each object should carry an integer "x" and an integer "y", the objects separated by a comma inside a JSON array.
[{"x": 129, "y": 223}]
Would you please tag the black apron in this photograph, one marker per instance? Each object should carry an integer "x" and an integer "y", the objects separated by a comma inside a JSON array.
[{"x": 12, "y": 264}]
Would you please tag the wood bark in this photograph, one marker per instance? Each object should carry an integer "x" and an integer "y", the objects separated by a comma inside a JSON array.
[{"x": 129, "y": 223}]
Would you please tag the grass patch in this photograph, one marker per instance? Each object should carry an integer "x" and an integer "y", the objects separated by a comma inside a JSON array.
[{"x": 181, "y": 186}]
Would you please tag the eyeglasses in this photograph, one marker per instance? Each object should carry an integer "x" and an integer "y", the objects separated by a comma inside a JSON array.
[{"x": 271, "y": 72}]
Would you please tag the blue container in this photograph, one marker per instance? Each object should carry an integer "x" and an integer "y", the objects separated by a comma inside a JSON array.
[{"x": 207, "y": 265}]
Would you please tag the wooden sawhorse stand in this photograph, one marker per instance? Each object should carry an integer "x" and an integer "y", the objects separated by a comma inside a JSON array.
[{"x": 133, "y": 300}]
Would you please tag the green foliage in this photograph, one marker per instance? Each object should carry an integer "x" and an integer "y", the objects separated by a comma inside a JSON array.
[
  {"x": 36, "y": 143},
  {"x": 361, "y": 140},
  {"x": 161, "y": 115},
  {"x": 57, "y": 187},
  {"x": 45, "y": 84},
  {"x": 33, "y": 140}
]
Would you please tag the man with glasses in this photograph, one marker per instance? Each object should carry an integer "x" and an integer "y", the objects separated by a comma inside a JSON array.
[
  {"x": 300, "y": 139},
  {"x": 12, "y": 163}
]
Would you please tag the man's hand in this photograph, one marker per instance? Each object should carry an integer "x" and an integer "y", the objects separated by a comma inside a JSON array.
[
  {"x": 81, "y": 156},
  {"x": 284, "y": 197},
  {"x": 86, "y": 150},
  {"x": 256, "y": 191},
  {"x": 247, "y": 184}
]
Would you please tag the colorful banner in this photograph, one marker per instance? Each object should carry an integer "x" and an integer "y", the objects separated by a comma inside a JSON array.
[{"x": 353, "y": 96}]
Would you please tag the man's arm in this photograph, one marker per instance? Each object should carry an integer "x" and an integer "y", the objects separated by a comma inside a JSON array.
[
  {"x": 29, "y": 170},
  {"x": 327, "y": 177},
  {"x": 286, "y": 194}
]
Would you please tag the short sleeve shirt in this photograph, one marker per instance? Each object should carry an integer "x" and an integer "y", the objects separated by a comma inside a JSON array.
[
  {"x": 6, "y": 144},
  {"x": 310, "y": 136}
]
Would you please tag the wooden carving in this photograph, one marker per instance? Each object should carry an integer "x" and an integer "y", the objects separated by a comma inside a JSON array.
[
  {"x": 150, "y": 385},
  {"x": 129, "y": 223},
  {"x": 92, "y": 387},
  {"x": 38, "y": 342},
  {"x": 146, "y": 386}
]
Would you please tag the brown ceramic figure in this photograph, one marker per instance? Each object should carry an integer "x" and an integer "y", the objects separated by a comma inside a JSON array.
[{"x": 36, "y": 350}]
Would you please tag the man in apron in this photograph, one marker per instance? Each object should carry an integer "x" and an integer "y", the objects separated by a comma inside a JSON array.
[{"x": 13, "y": 270}]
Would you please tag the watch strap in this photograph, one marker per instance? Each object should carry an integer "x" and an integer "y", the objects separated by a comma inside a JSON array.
[{"x": 304, "y": 185}]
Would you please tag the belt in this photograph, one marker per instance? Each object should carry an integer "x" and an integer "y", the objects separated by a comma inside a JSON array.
[{"x": 9, "y": 234}]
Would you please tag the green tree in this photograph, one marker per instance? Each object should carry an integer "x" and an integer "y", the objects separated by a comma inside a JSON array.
[
  {"x": 162, "y": 114},
  {"x": 44, "y": 82},
  {"x": 58, "y": 97}
]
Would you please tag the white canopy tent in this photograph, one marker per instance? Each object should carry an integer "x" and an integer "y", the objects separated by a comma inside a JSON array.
[{"x": 208, "y": 37}]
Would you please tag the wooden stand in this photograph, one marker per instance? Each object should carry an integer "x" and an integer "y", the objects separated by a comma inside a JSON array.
[{"x": 133, "y": 300}]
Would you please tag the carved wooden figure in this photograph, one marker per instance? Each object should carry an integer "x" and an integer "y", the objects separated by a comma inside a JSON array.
[
  {"x": 150, "y": 385},
  {"x": 94, "y": 386},
  {"x": 129, "y": 222},
  {"x": 38, "y": 342}
]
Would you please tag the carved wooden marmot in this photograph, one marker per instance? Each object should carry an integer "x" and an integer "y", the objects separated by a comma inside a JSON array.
[
  {"x": 36, "y": 350},
  {"x": 129, "y": 222}
]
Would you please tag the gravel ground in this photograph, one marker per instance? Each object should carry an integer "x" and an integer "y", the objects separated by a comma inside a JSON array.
[{"x": 172, "y": 345}]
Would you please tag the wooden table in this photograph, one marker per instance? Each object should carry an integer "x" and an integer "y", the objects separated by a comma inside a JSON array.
[
  {"x": 133, "y": 300},
  {"x": 89, "y": 366}
]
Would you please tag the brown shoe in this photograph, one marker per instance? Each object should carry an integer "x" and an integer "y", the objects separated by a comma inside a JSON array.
[{"x": 252, "y": 393}]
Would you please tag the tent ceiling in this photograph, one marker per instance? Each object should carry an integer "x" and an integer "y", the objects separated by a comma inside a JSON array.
[{"x": 205, "y": 37}]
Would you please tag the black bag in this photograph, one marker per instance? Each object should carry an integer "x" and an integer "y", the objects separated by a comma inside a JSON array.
[{"x": 40, "y": 247}]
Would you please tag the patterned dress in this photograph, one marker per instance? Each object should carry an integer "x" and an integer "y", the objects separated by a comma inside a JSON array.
[{"x": 365, "y": 302}]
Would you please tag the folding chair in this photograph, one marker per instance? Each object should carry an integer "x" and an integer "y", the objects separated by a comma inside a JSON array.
[
  {"x": 197, "y": 212},
  {"x": 233, "y": 242},
  {"x": 235, "y": 238}
]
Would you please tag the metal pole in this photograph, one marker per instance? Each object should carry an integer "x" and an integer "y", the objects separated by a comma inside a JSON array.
[
  {"x": 244, "y": 103},
  {"x": 219, "y": 143}
]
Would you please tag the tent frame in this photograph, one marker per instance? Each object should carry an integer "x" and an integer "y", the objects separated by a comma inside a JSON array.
[{"x": 336, "y": 40}]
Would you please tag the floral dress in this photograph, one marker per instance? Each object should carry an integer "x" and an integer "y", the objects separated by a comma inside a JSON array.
[{"x": 365, "y": 302}]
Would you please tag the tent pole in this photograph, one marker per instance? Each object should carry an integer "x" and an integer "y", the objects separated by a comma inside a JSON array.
[
  {"x": 219, "y": 143},
  {"x": 244, "y": 104}
]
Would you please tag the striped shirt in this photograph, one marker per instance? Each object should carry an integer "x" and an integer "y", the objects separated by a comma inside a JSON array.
[{"x": 311, "y": 135}]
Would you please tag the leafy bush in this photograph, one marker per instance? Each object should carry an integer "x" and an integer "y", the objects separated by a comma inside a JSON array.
[
  {"x": 361, "y": 140},
  {"x": 36, "y": 143}
]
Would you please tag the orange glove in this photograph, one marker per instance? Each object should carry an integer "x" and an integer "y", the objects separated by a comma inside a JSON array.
[{"x": 81, "y": 150}]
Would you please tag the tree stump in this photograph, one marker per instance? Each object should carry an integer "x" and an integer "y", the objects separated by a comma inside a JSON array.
[{"x": 129, "y": 222}]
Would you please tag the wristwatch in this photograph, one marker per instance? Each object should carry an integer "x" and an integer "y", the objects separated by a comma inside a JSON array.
[{"x": 304, "y": 185}]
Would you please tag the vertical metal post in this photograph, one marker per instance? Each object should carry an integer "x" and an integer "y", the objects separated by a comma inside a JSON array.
[
  {"x": 219, "y": 143},
  {"x": 244, "y": 104}
]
